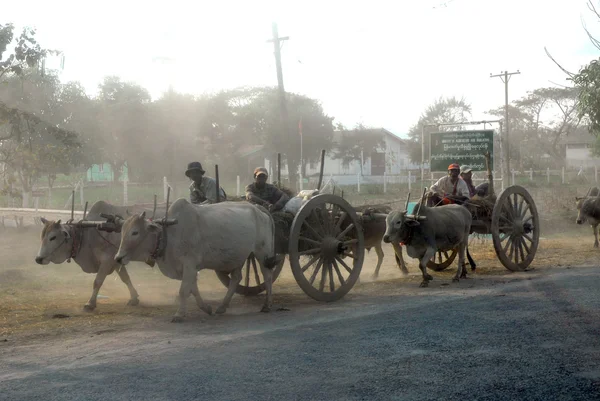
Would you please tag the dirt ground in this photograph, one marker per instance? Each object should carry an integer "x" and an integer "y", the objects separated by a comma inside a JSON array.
[{"x": 47, "y": 301}]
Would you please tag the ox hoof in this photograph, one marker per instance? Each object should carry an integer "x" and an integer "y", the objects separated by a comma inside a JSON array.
[
  {"x": 265, "y": 309},
  {"x": 208, "y": 309},
  {"x": 374, "y": 276},
  {"x": 424, "y": 283},
  {"x": 220, "y": 310},
  {"x": 455, "y": 280},
  {"x": 177, "y": 319},
  {"x": 133, "y": 302},
  {"x": 404, "y": 272},
  {"x": 89, "y": 308},
  {"x": 595, "y": 245},
  {"x": 428, "y": 277}
]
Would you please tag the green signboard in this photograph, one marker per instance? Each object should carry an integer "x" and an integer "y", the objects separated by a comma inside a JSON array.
[{"x": 462, "y": 147}]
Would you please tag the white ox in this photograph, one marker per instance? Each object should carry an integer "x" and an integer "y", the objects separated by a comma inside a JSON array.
[
  {"x": 218, "y": 237},
  {"x": 92, "y": 250}
]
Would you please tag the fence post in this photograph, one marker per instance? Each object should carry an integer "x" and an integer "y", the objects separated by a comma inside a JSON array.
[
  {"x": 596, "y": 174},
  {"x": 563, "y": 175},
  {"x": 36, "y": 203},
  {"x": 513, "y": 178},
  {"x": 125, "y": 192},
  {"x": 237, "y": 186},
  {"x": 165, "y": 186},
  {"x": 548, "y": 174},
  {"x": 81, "y": 197},
  {"x": 384, "y": 182},
  {"x": 409, "y": 179},
  {"x": 531, "y": 174},
  {"x": 358, "y": 181}
]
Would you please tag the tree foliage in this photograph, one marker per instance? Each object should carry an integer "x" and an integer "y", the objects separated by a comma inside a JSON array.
[
  {"x": 449, "y": 110},
  {"x": 357, "y": 144}
]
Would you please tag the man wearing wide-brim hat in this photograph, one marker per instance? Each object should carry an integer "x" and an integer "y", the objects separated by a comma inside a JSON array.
[
  {"x": 203, "y": 190},
  {"x": 264, "y": 194},
  {"x": 449, "y": 189}
]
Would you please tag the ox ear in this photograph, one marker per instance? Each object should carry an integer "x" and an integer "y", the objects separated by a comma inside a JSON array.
[
  {"x": 127, "y": 212},
  {"x": 578, "y": 198},
  {"x": 143, "y": 215},
  {"x": 43, "y": 220},
  {"x": 58, "y": 222},
  {"x": 412, "y": 223}
]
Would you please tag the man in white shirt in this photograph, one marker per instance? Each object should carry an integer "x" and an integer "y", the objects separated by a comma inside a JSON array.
[{"x": 449, "y": 189}]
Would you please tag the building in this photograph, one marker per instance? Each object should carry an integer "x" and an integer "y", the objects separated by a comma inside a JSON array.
[
  {"x": 104, "y": 173},
  {"x": 392, "y": 158},
  {"x": 578, "y": 146}
]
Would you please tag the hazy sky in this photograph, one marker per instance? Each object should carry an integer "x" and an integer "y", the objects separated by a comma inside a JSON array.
[{"x": 376, "y": 62}]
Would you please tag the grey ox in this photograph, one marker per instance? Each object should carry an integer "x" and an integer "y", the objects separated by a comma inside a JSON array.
[
  {"x": 92, "y": 250},
  {"x": 217, "y": 237},
  {"x": 441, "y": 228},
  {"x": 588, "y": 208}
]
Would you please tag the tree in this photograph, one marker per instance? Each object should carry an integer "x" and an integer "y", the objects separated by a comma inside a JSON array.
[
  {"x": 442, "y": 111},
  {"x": 27, "y": 52},
  {"x": 539, "y": 122},
  {"x": 355, "y": 144}
]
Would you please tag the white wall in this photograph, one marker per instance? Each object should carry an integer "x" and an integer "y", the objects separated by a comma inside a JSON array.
[{"x": 578, "y": 156}]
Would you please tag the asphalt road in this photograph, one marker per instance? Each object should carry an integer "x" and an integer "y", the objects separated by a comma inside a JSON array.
[{"x": 535, "y": 336}]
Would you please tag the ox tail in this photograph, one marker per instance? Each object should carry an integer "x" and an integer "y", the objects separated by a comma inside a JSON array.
[{"x": 471, "y": 261}]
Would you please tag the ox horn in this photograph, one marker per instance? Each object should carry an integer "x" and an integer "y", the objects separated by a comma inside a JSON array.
[
  {"x": 421, "y": 202},
  {"x": 588, "y": 192},
  {"x": 407, "y": 201}
]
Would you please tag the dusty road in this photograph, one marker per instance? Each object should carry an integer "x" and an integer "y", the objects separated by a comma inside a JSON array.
[{"x": 533, "y": 336}]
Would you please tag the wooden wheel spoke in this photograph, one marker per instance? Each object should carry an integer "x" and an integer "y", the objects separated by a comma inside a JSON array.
[
  {"x": 323, "y": 277},
  {"x": 350, "y": 242},
  {"x": 311, "y": 241},
  {"x": 520, "y": 209},
  {"x": 348, "y": 254},
  {"x": 315, "y": 272},
  {"x": 247, "y": 278},
  {"x": 503, "y": 236},
  {"x": 507, "y": 244},
  {"x": 341, "y": 261},
  {"x": 525, "y": 210},
  {"x": 511, "y": 244},
  {"x": 346, "y": 231},
  {"x": 528, "y": 238},
  {"x": 524, "y": 245},
  {"x": 341, "y": 219},
  {"x": 338, "y": 272},
  {"x": 520, "y": 246},
  {"x": 256, "y": 276},
  {"x": 446, "y": 255},
  {"x": 317, "y": 221},
  {"x": 330, "y": 273},
  {"x": 312, "y": 230},
  {"x": 528, "y": 219},
  {"x": 310, "y": 263},
  {"x": 310, "y": 251}
]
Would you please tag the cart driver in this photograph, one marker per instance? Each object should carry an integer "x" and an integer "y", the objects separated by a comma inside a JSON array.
[
  {"x": 449, "y": 189},
  {"x": 203, "y": 190},
  {"x": 264, "y": 194}
]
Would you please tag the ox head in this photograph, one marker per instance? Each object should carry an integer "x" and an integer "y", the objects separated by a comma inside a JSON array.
[
  {"x": 56, "y": 243},
  {"x": 137, "y": 241},
  {"x": 579, "y": 204},
  {"x": 399, "y": 225}
]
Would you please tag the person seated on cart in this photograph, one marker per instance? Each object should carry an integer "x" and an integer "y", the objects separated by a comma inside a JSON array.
[
  {"x": 480, "y": 190},
  {"x": 203, "y": 190},
  {"x": 449, "y": 189},
  {"x": 264, "y": 194}
]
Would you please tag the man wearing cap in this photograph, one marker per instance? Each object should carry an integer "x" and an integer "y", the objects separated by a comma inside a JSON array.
[
  {"x": 264, "y": 194},
  {"x": 467, "y": 175},
  {"x": 203, "y": 190},
  {"x": 449, "y": 189}
]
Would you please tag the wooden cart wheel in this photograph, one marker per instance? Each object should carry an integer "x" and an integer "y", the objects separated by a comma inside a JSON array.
[
  {"x": 515, "y": 228},
  {"x": 326, "y": 248},
  {"x": 252, "y": 279},
  {"x": 442, "y": 260}
]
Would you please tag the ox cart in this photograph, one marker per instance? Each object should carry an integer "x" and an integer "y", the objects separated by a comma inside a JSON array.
[{"x": 325, "y": 243}]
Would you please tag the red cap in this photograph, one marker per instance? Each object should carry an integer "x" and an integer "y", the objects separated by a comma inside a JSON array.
[{"x": 454, "y": 166}]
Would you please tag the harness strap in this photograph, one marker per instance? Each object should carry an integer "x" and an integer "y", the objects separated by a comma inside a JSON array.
[{"x": 76, "y": 245}]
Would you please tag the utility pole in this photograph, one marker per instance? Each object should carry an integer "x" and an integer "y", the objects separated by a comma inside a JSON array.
[
  {"x": 505, "y": 77},
  {"x": 277, "y": 43}
]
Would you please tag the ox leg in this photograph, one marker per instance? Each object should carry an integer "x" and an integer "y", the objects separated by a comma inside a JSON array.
[
  {"x": 380, "y": 256},
  {"x": 461, "y": 271},
  {"x": 595, "y": 228},
  {"x": 103, "y": 271},
  {"x": 134, "y": 300},
  {"x": 399, "y": 259},
  {"x": 268, "y": 277},
  {"x": 423, "y": 266},
  {"x": 235, "y": 278},
  {"x": 189, "y": 286}
]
